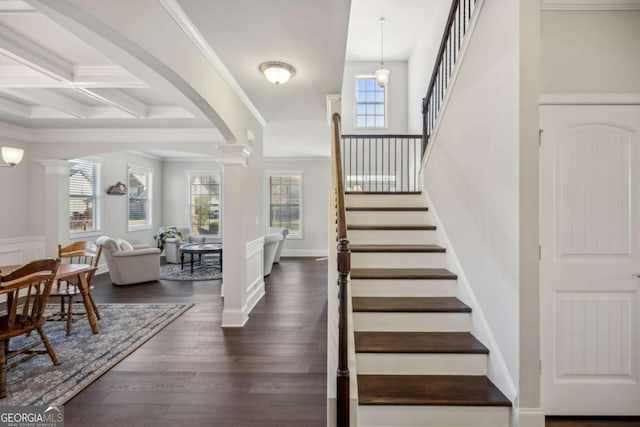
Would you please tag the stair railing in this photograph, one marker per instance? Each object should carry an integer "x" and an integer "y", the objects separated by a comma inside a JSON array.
[
  {"x": 344, "y": 268},
  {"x": 455, "y": 29},
  {"x": 381, "y": 163}
]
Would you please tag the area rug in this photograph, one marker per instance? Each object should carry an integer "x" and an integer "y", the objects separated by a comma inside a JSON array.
[
  {"x": 208, "y": 271},
  {"x": 84, "y": 356}
]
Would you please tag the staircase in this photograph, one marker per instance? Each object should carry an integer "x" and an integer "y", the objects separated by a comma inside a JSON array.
[{"x": 417, "y": 363}]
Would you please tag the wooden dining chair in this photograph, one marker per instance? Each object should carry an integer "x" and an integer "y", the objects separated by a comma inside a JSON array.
[
  {"x": 26, "y": 290},
  {"x": 82, "y": 252}
]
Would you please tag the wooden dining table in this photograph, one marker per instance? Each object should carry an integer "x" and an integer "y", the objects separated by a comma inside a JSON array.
[{"x": 66, "y": 271}]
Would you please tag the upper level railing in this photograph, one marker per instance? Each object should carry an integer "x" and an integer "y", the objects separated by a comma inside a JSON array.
[
  {"x": 381, "y": 163},
  {"x": 344, "y": 268},
  {"x": 454, "y": 31}
]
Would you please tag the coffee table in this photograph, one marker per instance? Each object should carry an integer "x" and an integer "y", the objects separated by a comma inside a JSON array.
[{"x": 199, "y": 249}]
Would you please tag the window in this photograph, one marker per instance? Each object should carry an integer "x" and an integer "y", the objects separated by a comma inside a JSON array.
[
  {"x": 84, "y": 196},
  {"x": 204, "y": 202},
  {"x": 140, "y": 183},
  {"x": 370, "y": 103},
  {"x": 285, "y": 201}
]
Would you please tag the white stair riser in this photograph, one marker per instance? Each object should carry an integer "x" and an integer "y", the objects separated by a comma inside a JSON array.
[
  {"x": 398, "y": 260},
  {"x": 376, "y": 200},
  {"x": 411, "y": 322},
  {"x": 392, "y": 237},
  {"x": 404, "y": 288},
  {"x": 388, "y": 218},
  {"x": 421, "y": 364},
  {"x": 433, "y": 416}
]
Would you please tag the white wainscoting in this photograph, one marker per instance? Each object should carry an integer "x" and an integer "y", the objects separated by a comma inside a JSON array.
[
  {"x": 254, "y": 277},
  {"x": 20, "y": 250}
]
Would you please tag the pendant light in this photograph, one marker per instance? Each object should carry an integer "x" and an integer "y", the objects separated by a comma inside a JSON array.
[{"x": 382, "y": 74}]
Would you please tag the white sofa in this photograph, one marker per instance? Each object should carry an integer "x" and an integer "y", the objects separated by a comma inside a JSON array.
[
  {"x": 285, "y": 233},
  {"x": 126, "y": 267},
  {"x": 172, "y": 245}
]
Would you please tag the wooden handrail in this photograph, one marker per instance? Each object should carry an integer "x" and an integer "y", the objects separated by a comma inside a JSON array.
[
  {"x": 344, "y": 268},
  {"x": 339, "y": 179}
]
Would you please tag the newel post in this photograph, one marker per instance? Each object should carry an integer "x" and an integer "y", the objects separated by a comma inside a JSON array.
[{"x": 342, "y": 374}]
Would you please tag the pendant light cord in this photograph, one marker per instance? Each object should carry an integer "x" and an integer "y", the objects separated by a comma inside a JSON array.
[{"x": 381, "y": 42}]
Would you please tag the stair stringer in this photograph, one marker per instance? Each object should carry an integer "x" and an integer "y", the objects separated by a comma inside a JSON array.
[{"x": 497, "y": 369}]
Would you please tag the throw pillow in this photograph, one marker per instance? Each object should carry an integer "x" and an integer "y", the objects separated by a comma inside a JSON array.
[{"x": 124, "y": 245}]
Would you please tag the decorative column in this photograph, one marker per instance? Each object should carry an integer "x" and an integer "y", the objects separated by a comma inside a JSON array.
[
  {"x": 234, "y": 192},
  {"x": 55, "y": 205}
]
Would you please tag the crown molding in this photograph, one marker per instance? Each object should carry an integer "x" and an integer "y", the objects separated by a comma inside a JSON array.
[
  {"x": 180, "y": 16},
  {"x": 589, "y": 5},
  {"x": 18, "y": 133},
  {"x": 134, "y": 135}
]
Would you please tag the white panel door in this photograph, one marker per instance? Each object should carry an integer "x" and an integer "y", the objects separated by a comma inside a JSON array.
[{"x": 590, "y": 259}]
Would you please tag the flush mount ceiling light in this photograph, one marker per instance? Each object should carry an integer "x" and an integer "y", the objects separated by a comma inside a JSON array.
[
  {"x": 11, "y": 156},
  {"x": 382, "y": 74},
  {"x": 277, "y": 72}
]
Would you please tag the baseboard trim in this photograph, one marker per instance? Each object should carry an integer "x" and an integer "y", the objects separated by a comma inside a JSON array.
[
  {"x": 305, "y": 253},
  {"x": 529, "y": 417},
  {"x": 234, "y": 318}
]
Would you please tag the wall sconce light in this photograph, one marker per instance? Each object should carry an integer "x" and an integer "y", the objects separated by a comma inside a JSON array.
[
  {"x": 11, "y": 156},
  {"x": 277, "y": 73}
]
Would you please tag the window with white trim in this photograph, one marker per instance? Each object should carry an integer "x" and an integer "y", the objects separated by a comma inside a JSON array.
[
  {"x": 84, "y": 196},
  {"x": 140, "y": 194},
  {"x": 371, "y": 103},
  {"x": 204, "y": 202},
  {"x": 285, "y": 201}
]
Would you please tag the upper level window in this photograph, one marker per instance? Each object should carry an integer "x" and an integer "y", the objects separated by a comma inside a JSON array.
[
  {"x": 204, "y": 202},
  {"x": 285, "y": 201},
  {"x": 84, "y": 196},
  {"x": 371, "y": 101},
  {"x": 139, "y": 204}
]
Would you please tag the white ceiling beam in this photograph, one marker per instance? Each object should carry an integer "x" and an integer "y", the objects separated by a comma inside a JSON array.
[
  {"x": 109, "y": 76},
  {"x": 14, "y": 6},
  {"x": 26, "y": 52},
  {"x": 49, "y": 98},
  {"x": 14, "y": 108},
  {"x": 118, "y": 99}
]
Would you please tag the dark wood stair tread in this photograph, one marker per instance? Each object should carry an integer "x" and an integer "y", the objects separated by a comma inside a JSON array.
[
  {"x": 402, "y": 273},
  {"x": 412, "y": 227},
  {"x": 397, "y": 248},
  {"x": 387, "y": 209},
  {"x": 384, "y": 193},
  {"x": 449, "y": 390},
  {"x": 409, "y": 305},
  {"x": 418, "y": 342}
]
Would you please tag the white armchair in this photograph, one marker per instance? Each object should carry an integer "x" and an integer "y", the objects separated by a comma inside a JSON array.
[
  {"x": 285, "y": 233},
  {"x": 271, "y": 242},
  {"x": 141, "y": 264},
  {"x": 172, "y": 244}
]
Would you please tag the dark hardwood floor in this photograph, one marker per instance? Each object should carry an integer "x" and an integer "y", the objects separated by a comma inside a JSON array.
[{"x": 272, "y": 372}]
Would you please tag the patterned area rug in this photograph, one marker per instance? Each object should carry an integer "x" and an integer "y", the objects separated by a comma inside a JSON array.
[
  {"x": 206, "y": 271},
  {"x": 84, "y": 356}
]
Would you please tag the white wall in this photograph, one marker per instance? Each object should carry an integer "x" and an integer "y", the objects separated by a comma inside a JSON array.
[
  {"x": 174, "y": 189},
  {"x": 396, "y": 94},
  {"x": 421, "y": 62},
  {"x": 590, "y": 52},
  {"x": 14, "y": 188},
  {"x": 316, "y": 181},
  {"x": 472, "y": 178}
]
